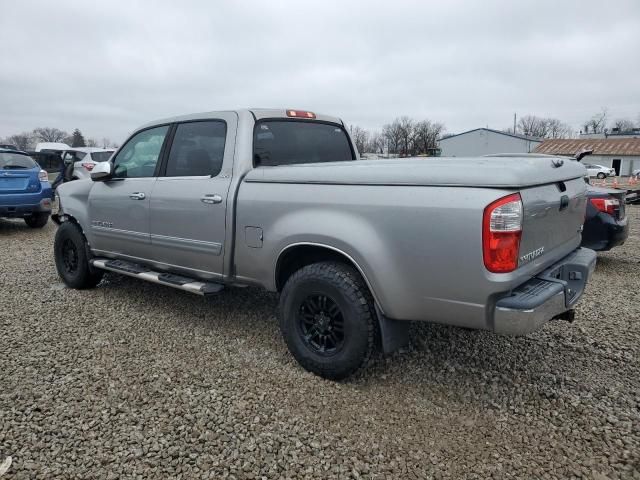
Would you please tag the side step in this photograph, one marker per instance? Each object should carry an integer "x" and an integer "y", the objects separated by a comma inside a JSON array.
[{"x": 170, "y": 280}]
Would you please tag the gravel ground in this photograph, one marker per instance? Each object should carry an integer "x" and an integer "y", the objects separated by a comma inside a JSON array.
[{"x": 136, "y": 380}]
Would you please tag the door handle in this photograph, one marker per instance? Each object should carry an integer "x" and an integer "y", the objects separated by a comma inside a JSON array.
[
  {"x": 211, "y": 199},
  {"x": 137, "y": 196}
]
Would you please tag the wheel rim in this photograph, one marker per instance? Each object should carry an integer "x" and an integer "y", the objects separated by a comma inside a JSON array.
[
  {"x": 69, "y": 256},
  {"x": 321, "y": 324}
]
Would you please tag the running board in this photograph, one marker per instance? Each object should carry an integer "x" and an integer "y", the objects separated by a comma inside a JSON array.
[{"x": 170, "y": 280}]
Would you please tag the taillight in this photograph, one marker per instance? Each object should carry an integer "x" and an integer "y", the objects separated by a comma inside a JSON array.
[
  {"x": 43, "y": 176},
  {"x": 501, "y": 232},
  {"x": 606, "y": 205},
  {"x": 88, "y": 166},
  {"x": 300, "y": 114}
]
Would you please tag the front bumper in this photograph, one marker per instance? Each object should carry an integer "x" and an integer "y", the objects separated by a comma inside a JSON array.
[{"x": 546, "y": 296}]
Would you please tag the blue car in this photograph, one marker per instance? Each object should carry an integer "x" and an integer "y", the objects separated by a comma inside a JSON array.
[{"x": 25, "y": 191}]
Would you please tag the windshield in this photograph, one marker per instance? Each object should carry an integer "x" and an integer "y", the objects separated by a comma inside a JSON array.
[
  {"x": 282, "y": 142},
  {"x": 101, "y": 156},
  {"x": 16, "y": 161}
]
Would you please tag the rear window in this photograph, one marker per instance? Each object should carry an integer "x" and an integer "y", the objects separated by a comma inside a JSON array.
[
  {"x": 101, "y": 156},
  {"x": 16, "y": 160},
  {"x": 282, "y": 142}
]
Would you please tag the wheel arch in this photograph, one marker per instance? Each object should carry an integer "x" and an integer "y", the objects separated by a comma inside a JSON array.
[{"x": 300, "y": 254}]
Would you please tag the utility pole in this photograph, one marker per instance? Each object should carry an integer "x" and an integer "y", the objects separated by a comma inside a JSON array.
[{"x": 514, "y": 123}]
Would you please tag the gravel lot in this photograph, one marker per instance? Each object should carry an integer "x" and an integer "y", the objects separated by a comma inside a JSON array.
[{"x": 137, "y": 380}]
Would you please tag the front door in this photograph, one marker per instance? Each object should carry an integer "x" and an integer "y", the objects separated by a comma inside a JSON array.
[
  {"x": 119, "y": 207},
  {"x": 189, "y": 200}
]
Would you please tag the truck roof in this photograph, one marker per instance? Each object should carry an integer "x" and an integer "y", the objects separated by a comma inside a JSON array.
[{"x": 258, "y": 114}]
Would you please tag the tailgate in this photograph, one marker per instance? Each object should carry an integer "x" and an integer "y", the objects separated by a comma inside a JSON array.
[{"x": 553, "y": 217}]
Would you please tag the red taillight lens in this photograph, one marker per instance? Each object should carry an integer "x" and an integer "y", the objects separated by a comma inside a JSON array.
[
  {"x": 606, "y": 205},
  {"x": 300, "y": 114},
  {"x": 501, "y": 232},
  {"x": 88, "y": 166}
]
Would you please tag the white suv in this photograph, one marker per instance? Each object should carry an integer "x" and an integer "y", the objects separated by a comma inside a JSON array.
[
  {"x": 84, "y": 159},
  {"x": 599, "y": 171}
]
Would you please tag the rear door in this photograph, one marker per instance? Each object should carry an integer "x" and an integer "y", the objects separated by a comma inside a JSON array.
[
  {"x": 119, "y": 207},
  {"x": 189, "y": 200}
]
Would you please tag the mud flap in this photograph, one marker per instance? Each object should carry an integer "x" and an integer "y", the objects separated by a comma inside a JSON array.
[{"x": 394, "y": 334}]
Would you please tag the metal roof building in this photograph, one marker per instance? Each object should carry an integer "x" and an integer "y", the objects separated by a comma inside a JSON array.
[
  {"x": 485, "y": 141},
  {"x": 622, "y": 154}
]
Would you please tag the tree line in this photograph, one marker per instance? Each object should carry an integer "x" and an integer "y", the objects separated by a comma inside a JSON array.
[
  {"x": 404, "y": 137},
  {"x": 544, "y": 127},
  {"x": 28, "y": 140}
]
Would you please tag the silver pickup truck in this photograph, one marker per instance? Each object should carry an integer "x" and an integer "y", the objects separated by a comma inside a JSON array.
[{"x": 279, "y": 199}]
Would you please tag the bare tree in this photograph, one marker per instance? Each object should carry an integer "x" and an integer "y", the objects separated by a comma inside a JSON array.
[
  {"x": 376, "y": 143},
  {"x": 92, "y": 142},
  {"x": 597, "y": 123},
  {"x": 392, "y": 133},
  {"x": 623, "y": 124},
  {"x": 533, "y": 126},
  {"x": 48, "y": 134},
  {"x": 24, "y": 140},
  {"x": 359, "y": 136},
  {"x": 558, "y": 129},
  {"x": 426, "y": 134},
  {"x": 407, "y": 133}
]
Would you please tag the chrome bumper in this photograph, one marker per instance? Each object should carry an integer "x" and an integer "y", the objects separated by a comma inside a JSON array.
[{"x": 546, "y": 296}]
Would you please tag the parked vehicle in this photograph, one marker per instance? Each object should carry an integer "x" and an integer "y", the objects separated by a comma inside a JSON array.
[
  {"x": 599, "y": 171},
  {"x": 8, "y": 147},
  {"x": 606, "y": 224},
  {"x": 636, "y": 173},
  {"x": 84, "y": 159},
  {"x": 25, "y": 191},
  {"x": 279, "y": 199}
]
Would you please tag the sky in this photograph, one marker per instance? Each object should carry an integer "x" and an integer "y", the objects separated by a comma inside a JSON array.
[{"x": 108, "y": 67}]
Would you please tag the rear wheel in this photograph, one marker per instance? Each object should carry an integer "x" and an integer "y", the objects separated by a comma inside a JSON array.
[
  {"x": 72, "y": 260},
  {"x": 37, "y": 220},
  {"x": 327, "y": 319},
  {"x": 601, "y": 175}
]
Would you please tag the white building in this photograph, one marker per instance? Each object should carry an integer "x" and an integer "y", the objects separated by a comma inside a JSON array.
[
  {"x": 484, "y": 141},
  {"x": 621, "y": 154}
]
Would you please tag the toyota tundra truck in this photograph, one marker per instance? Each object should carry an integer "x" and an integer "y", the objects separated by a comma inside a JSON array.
[{"x": 356, "y": 249}]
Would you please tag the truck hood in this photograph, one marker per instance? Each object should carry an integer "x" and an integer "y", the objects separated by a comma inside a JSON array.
[{"x": 499, "y": 172}]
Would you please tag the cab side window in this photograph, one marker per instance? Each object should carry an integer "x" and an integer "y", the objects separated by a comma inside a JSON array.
[
  {"x": 197, "y": 149},
  {"x": 139, "y": 157}
]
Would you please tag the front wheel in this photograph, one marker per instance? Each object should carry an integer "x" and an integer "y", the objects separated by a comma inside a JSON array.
[
  {"x": 37, "y": 220},
  {"x": 328, "y": 320},
  {"x": 601, "y": 175},
  {"x": 72, "y": 260}
]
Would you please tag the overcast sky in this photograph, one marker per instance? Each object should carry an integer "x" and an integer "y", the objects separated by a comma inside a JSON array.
[{"x": 107, "y": 67}]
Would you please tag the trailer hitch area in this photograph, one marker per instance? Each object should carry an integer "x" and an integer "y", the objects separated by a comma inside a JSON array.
[{"x": 569, "y": 316}]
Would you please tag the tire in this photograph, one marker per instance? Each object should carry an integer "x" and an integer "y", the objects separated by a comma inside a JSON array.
[
  {"x": 72, "y": 260},
  {"x": 37, "y": 220},
  {"x": 601, "y": 175},
  {"x": 328, "y": 320}
]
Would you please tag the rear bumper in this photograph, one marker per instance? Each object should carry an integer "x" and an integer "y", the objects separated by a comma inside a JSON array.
[
  {"x": 24, "y": 206},
  {"x": 546, "y": 296},
  {"x": 603, "y": 232}
]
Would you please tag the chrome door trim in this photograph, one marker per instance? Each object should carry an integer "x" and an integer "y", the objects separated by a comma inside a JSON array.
[{"x": 200, "y": 246}]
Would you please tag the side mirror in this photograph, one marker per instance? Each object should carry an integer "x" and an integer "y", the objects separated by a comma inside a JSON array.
[{"x": 102, "y": 171}]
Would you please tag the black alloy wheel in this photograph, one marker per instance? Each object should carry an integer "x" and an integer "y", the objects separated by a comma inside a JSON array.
[{"x": 321, "y": 324}]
